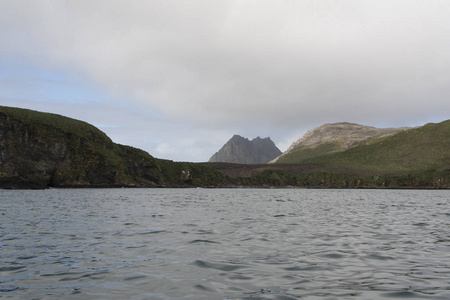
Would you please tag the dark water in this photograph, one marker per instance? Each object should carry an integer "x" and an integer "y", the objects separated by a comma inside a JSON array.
[{"x": 224, "y": 244}]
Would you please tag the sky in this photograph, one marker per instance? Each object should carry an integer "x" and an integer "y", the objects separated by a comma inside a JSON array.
[{"x": 179, "y": 78}]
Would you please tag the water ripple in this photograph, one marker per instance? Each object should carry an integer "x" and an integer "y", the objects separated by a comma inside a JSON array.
[{"x": 225, "y": 244}]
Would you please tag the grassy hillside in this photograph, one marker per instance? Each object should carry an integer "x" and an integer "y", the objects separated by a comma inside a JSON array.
[
  {"x": 420, "y": 149},
  {"x": 42, "y": 150},
  {"x": 64, "y": 124},
  {"x": 39, "y": 150},
  {"x": 301, "y": 154},
  {"x": 332, "y": 138},
  {"x": 414, "y": 158}
]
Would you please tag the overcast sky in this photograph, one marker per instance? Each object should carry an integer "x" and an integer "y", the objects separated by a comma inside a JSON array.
[{"x": 179, "y": 78}]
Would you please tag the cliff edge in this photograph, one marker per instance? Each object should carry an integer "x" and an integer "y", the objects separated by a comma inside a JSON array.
[{"x": 40, "y": 150}]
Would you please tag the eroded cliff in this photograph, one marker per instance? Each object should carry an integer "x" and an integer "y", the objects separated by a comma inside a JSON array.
[{"x": 39, "y": 150}]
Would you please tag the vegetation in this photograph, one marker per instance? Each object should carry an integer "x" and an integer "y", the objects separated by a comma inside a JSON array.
[
  {"x": 414, "y": 158},
  {"x": 302, "y": 154},
  {"x": 423, "y": 148},
  {"x": 420, "y": 149},
  {"x": 67, "y": 125},
  {"x": 39, "y": 150},
  {"x": 325, "y": 179}
]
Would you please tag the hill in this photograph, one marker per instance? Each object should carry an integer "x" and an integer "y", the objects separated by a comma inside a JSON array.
[
  {"x": 241, "y": 150},
  {"x": 332, "y": 138},
  {"x": 413, "y": 158},
  {"x": 425, "y": 148},
  {"x": 39, "y": 150}
]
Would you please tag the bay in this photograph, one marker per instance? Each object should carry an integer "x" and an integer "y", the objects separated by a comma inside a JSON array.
[{"x": 224, "y": 244}]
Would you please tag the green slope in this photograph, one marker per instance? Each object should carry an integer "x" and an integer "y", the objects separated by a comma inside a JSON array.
[
  {"x": 301, "y": 154},
  {"x": 64, "y": 124},
  {"x": 47, "y": 150},
  {"x": 414, "y": 158},
  {"x": 419, "y": 149},
  {"x": 39, "y": 150}
]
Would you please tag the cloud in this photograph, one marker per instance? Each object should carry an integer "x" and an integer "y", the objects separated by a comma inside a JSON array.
[{"x": 246, "y": 66}]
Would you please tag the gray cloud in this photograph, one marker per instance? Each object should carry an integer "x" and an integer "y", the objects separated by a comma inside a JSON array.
[{"x": 272, "y": 68}]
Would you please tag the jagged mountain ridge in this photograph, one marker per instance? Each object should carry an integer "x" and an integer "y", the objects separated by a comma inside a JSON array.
[
  {"x": 243, "y": 151},
  {"x": 330, "y": 138}
]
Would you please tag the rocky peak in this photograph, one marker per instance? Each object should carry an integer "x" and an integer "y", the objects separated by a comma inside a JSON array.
[
  {"x": 241, "y": 150},
  {"x": 238, "y": 139}
]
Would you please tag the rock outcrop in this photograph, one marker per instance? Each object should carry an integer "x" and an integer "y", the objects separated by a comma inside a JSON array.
[{"x": 243, "y": 151}]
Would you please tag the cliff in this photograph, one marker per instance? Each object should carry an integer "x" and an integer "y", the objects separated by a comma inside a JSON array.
[
  {"x": 243, "y": 151},
  {"x": 39, "y": 150}
]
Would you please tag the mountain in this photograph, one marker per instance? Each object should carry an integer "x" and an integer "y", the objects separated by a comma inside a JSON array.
[
  {"x": 332, "y": 138},
  {"x": 243, "y": 151},
  {"x": 425, "y": 148},
  {"x": 39, "y": 150},
  {"x": 349, "y": 156}
]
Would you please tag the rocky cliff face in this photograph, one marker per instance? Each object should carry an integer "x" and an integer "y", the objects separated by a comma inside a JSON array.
[
  {"x": 39, "y": 150},
  {"x": 243, "y": 151},
  {"x": 337, "y": 137}
]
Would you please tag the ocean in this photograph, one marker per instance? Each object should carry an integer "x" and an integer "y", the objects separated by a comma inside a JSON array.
[{"x": 224, "y": 244}]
